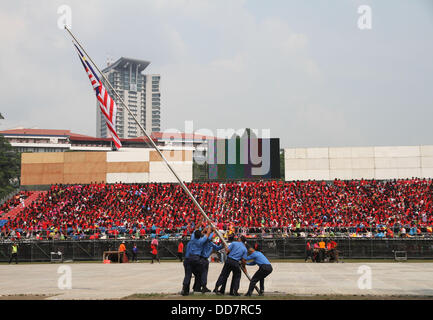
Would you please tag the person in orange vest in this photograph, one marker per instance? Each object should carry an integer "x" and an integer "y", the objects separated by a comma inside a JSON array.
[
  {"x": 180, "y": 251},
  {"x": 123, "y": 253},
  {"x": 322, "y": 251}
]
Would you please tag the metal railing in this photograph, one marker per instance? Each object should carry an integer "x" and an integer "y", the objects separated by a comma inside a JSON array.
[
  {"x": 260, "y": 233},
  {"x": 289, "y": 248}
]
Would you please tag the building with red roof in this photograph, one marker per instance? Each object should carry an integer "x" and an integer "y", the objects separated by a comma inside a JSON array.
[{"x": 52, "y": 140}]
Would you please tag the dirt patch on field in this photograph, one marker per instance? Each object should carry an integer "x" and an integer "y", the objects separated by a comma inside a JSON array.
[
  {"x": 26, "y": 297},
  {"x": 273, "y": 296}
]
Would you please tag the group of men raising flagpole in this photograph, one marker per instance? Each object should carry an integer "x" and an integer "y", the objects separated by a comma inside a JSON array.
[{"x": 198, "y": 251}]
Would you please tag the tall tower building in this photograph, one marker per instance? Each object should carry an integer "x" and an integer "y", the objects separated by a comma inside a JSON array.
[{"x": 139, "y": 91}]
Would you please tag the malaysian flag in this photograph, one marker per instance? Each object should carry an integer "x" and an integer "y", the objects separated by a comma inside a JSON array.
[{"x": 106, "y": 104}]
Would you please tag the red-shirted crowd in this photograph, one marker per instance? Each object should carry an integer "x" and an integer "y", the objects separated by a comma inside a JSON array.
[{"x": 302, "y": 208}]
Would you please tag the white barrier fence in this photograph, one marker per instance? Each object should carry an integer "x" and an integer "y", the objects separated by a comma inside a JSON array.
[{"x": 348, "y": 163}]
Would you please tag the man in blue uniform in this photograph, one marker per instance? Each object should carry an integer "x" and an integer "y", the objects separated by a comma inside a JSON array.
[
  {"x": 236, "y": 253},
  {"x": 209, "y": 246},
  {"x": 192, "y": 262},
  {"x": 230, "y": 239},
  {"x": 265, "y": 269}
]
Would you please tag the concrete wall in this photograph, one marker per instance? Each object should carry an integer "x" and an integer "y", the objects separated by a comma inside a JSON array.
[
  {"x": 128, "y": 166},
  {"x": 358, "y": 162}
]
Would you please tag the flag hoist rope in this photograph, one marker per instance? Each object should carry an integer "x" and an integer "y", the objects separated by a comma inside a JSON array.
[{"x": 182, "y": 184}]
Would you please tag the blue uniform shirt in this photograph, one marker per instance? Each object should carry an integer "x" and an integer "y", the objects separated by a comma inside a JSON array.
[
  {"x": 258, "y": 258},
  {"x": 238, "y": 251},
  {"x": 197, "y": 245},
  {"x": 208, "y": 247}
]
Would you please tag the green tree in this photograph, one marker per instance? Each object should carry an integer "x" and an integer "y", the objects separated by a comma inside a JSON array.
[{"x": 10, "y": 167}]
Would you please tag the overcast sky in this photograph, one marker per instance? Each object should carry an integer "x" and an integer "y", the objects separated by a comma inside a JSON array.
[{"x": 302, "y": 69}]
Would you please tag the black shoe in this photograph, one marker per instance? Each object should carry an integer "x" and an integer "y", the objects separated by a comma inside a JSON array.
[
  {"x": 261, "y": 293},
  {"x": 184, "y": 292},
  {"x": 235, "y": 294},
  {"x": 248, "y": 294},
  {"x": 204, "y": 290}
]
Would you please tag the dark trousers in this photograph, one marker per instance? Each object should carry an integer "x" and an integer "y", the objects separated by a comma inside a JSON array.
[
  {"x": 202, "y": 282},
  {"x": 134, "y": 256},
  {"x": 230, "y": 266},
  {"x": 122, "y": 254},
  {"x": 14, "y": 256},
  {"x": 192, "y": 265},
  {"x": 180, "y": 256},
  {"x": 155, "y": 257},
  {"x": 309, "y": 255},
  {"x": 259, "y": 276},
  {"x": 321, "y": 255},
  {"x": 333, "y": 254}
]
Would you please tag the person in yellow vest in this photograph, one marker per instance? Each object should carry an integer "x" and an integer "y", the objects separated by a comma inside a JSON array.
[{"x": 14, "y": 253}]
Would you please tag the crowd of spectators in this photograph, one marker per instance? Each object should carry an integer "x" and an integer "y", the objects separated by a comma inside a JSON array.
[{"x": 367, "y": 208}]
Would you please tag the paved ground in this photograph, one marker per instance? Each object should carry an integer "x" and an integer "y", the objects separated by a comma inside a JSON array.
[{"x": 99, "y": 281}]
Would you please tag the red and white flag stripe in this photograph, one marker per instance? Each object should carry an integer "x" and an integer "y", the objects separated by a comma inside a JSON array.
[{"x": 106, "y": 104}]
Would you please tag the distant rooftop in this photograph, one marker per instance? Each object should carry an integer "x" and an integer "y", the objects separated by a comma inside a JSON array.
[
  {"x": 60, "y": 133},
  {"x": 36, "y": 132},
  {"x": 180, "y": 135},
  {"x": 156, "y": 136},
  {"x": 123, "y": 63}
]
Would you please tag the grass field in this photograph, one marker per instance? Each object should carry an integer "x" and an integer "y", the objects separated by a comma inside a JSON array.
[
  {"x": 272, "y": 297},
  {"x": 212, "y": 297}
]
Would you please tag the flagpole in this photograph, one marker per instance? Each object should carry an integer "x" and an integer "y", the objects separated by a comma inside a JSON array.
[{"x": 182, "y": 184}]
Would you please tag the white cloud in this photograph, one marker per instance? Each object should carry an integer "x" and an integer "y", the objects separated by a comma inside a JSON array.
[{"x": 264, "y": 69}]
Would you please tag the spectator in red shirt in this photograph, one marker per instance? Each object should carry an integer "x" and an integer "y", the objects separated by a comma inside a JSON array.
[
  {"x": 180, "y": 251},
  {"x": 154, "y": 252}
]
